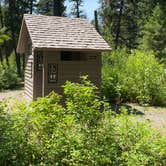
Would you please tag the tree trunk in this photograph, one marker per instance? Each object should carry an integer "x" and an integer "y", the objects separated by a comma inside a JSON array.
[
  {"x": 57, "y": 5},
  {"x": 31, "y": 6},
  {"x": 17, "y": 57},
  {"x": 7, "y": 53},
  {"x": 1, "y": 19},
  {"x": 12, "y": 9},
  {"x": 7, "y": 60},
  {"x": 96, "y": 21},
  {"x": 1, "y": 16},
  {"x": 18, "y": 63},
  {"x": 78, "y": 10},
  {"x": 119, "y": 25},
  {"x": 1, "y": 58}
]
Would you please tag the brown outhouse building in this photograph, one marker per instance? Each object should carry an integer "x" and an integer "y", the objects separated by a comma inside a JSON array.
[{"x": 57, "y": 49}]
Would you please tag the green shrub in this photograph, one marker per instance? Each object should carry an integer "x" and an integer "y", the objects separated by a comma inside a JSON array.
[
  {"x": 112, "y": 74},
  {"x": 82, "y": 101},
  {"x": 144, "y": 77},
  {"x": 8, "y": 78},
  {"x": 136, "y": 77},
  {"x": 47, "y": 133},
  {"x": 160, "y": 97}
]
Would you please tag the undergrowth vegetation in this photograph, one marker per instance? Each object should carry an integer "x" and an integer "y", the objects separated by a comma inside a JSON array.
[
  {"x": 9, "y": 78},
  {"x": 84, "y": 132},
  {"x": 136, "y": 77}
]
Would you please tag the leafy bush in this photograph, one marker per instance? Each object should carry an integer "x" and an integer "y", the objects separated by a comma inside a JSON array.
[
  {"x": 112, "y": 74},
  {"x": 46, "y": 133},
  {"x": 135, "y": 77},
  {"x": 8, "y": 78},
  {"x": 144, "y": 77}
]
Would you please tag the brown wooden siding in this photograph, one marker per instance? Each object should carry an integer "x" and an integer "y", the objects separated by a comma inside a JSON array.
[
  {"x": 28, "y": 74},
  {"x": 68, "y": 70}
]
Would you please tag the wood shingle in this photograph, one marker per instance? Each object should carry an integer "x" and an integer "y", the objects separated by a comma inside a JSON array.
[{"x": 51, "y": 32}]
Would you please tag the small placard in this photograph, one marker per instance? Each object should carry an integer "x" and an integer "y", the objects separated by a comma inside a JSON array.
[{"x": 52, "y": 73}]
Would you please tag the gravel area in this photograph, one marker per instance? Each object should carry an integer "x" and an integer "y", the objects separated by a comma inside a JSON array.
[
  {"x": 157, "y": 116},
  {"x": 17, "y": 95}
]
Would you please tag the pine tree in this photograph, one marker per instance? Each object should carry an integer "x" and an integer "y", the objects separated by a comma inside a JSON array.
[
  {"x": 12, "y": 21},
  {"x": 76, "y": 10},
  {"x": 32, "y": 5},
  {"x": 59, "y": 8},
  {"x": 154, "y": 33},
  {"x": 53, "y": 7},
  {"x": 4, "y": 39},
  {"x": 120, "y": 22},
  {"x": 45, "y": 7}
]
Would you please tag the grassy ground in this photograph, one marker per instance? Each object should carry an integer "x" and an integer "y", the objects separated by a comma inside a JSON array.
[{"x": 157, "y": 115}]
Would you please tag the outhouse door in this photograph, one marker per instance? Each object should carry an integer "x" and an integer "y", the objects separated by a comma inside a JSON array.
[{"x": 46, "y": 73}]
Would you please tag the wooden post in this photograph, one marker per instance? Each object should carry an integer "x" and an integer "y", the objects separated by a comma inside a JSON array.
[{"x": 43, "y": 76}]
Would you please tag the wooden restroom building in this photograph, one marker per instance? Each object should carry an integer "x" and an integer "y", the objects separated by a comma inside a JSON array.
[{"x": 57, "y": 49}]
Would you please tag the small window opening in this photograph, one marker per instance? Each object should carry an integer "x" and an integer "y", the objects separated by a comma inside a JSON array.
[
  {"x": 52, "y": 73},
  {"x": 92, "y": 57},
  {"x": 72, "y": 56}
]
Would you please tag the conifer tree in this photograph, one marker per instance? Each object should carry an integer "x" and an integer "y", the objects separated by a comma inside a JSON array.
[
  {"x": 53, "y": 7},
  {"x": 154, "y": 32},
  {"x": 76, "y": 10},
  {"x": 14, "y": 10},
  {"x": 59, "y": 8},
  {"x": 120, "y": 22}
]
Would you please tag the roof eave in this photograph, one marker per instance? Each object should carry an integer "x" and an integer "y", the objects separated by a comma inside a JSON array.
[{"x": 73, "y": 49}]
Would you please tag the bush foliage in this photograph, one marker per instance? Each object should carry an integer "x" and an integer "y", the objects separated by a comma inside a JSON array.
[
  {"x": 47, "y": 133},
  {"x": 8, "y": 75},
  {"x": 8, "y": 79},
  {"x": 137, "y": 77}
]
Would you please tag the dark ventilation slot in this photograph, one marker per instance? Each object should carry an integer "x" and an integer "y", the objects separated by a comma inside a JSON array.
[{"x": 72, "y": 56}]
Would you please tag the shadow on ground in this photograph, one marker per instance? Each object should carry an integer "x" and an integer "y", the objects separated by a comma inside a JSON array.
[{"x": 117, "y": 108}]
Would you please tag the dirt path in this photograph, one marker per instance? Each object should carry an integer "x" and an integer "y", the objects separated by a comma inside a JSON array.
[
  {"x": 157, "y": 115},
  {"x": 17, "y": 95}
]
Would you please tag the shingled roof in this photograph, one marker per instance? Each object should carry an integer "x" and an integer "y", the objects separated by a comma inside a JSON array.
[{"x": 51, "y": 32}]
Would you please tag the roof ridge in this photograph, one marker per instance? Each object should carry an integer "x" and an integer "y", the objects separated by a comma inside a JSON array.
[{"x": 63, "y": 17}]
